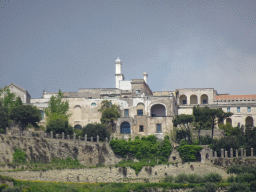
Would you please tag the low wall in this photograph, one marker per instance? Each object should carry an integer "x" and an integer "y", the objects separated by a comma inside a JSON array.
[{"x": 116, "y": 174}]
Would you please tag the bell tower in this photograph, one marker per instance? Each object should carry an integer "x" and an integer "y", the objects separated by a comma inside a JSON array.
[{"x": 119, "y": 75}]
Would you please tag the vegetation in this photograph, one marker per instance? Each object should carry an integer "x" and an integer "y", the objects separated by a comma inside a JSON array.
[
  {"x": 144, "y": 148},
  {"x": 57, "y": 115},
  {"x": 201, "y": 119},
  {"x": 188, "y": 152},
  {"x": 235, "y": 139},
  {"x": 25, "y": 114},
  {"x": 185, "y": 122},
  {"x": 109, "y": 113},
  {"x": 19, "y": 156},
  {"x": 55, "y": 163},
  {"x": 92, "y": 130},
  {"x": 57, "y": 126},
  {"x": 8, "y": 101}
]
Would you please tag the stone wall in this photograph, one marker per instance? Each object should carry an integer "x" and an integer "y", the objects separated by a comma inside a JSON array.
[
  {"x": 116, "y": 174},
  {"x": 44, "y": 149}
]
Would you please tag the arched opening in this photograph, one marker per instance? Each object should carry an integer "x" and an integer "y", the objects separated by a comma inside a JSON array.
[
  {"x": 183, "y": 100},
  {"x": 78, "y": 127},
  {"x": 204, "y": 99},
  {"x": 198, "y": 156},
  {"x": 229, "y": 120},
  {"x": 249, "y": 121},
  {"x": 158, "y": 110},
  {"x": 77, "y": 113},
  {"x": 125, "y": 128},
  {"x": 207, "y": 156},
  {"x": 193, "y": 99}
]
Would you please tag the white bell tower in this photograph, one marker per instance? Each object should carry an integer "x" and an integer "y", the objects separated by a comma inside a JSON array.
[{"x": 119, "y": 75}]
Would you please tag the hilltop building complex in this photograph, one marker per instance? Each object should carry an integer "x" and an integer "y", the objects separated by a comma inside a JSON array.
[{"x": 144, "y": 112}]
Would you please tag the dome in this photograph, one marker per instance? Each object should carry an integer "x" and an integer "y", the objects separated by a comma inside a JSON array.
[{"x": 118, "y": 60}]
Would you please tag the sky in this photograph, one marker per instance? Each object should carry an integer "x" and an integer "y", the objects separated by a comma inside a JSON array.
[{"x": 72, "y": 44}]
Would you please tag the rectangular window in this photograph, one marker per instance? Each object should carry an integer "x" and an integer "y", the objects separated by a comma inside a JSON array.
[
  {"x": 158, "y": 128},
  {"x": 126, "y": 113},
  {"x": 228, "y": 109},
  {"x": 249, "y": 109},
  {"x": 184, "y": 102},
  {"x": 137, "y": 91},
  {"x": 204, "y": 101},
  {"x": 141, "y": 128},
  {"x": 140, "y": 112},
  {"x": 238, "y": 109}
]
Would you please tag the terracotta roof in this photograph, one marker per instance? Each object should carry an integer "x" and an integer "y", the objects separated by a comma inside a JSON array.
[{"x": 234, "y": 97}]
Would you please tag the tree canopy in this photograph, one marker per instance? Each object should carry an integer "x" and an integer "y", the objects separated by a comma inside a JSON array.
[
  {"x": 185, "y": 122},
  {"x": 92, "y": 130},
  {"x": 109, "y": 113},
  {"x": 57, "y": 109},
  {"x": 25, "y": 114},
  {"x": 57, "y": 115}
]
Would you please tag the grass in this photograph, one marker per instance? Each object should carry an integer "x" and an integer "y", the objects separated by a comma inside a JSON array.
[
  {"x": 41, "y": 186},
  {"x": 54, "y": 164}
]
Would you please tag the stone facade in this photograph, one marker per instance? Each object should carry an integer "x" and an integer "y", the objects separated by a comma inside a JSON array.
[{"x": 144, "y": 112}]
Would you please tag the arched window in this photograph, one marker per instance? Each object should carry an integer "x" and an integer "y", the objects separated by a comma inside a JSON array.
[
  {"x": 78, "y": 127},
  {"x": 249, "y": 121},
  {"x": 125, "y": 128},
  {"x": 193, "y": 99},
  {"x": 204, "y": 99},
  {"x": 158, "y": 110},
  {"x": 229, "y": 120},
  {"x": 93, "y": 104},
  {"x": 183, "y": 100},
  {"x": 140, "y": 109},
  {"x": 77, "y": 113}
]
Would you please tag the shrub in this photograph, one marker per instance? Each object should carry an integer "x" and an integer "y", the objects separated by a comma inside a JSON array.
[
  {"x": 92, "y": 130},
  {"x": 213, "y": 178},
  {"x": 194, "y": 178},
  {"x": 19, "y": 156},
  {"x": 146, "y": 148},
  {"x": 168, "y": 179},
  {"x": 181, "y": 178},
  {"x": 183, "y": 142},
  {"x": 57, "y": 126},
  {"x": 245, "y": 177},
  {"x": 252, "y": 186},
  {"x": 241, "y": 187},
  {"x": 3, "y": 186},
  {"x": 188, "y": 152},
  {"x": 211, "y": 187}
]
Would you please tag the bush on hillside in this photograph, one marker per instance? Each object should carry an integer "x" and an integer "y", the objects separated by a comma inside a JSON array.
[
  {"x": 188, "y": 152},
  {"x": 144, "y": 148}
]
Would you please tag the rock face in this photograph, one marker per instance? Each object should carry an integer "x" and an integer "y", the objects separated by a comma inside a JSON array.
[{"x": 43, "y": 150}]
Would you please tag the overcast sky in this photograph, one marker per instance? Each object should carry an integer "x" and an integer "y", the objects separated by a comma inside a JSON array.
[{"x": 71, "y": 44}]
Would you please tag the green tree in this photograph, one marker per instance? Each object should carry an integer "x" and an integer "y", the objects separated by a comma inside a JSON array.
[
  {"x": 24, "y": 115},
  {"x": 92, "y": 130},
  {"x": 216, "y": 116},
  {"x": 185, "y": 122},
  {"x": 57, "y": 108},
  {"x": 109, "y": 113},
  {"x": 201, "y": 118},
  {"x": 57, "y": 115},
  {"x": 3, "y": 118},
  {"x": 57, "y": 126}
]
